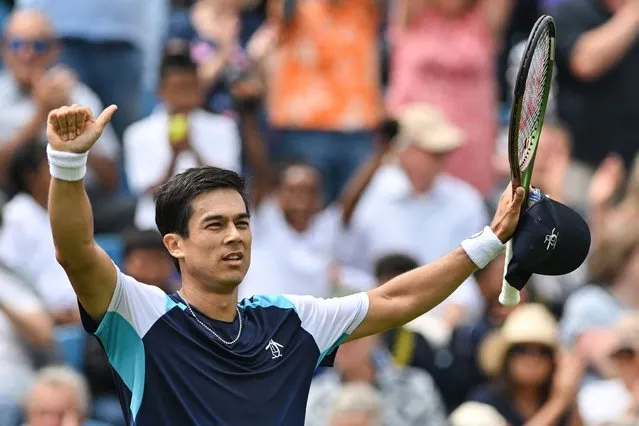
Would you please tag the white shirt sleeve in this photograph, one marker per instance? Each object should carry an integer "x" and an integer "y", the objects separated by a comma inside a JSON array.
[{"x": 330, "y": 321}]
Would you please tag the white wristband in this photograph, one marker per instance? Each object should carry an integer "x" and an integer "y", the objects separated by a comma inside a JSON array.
[
  {"x": 483, "y": 247},
  {"x": 69, "y": 166}
]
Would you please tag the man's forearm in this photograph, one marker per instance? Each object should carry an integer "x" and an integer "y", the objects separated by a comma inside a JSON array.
[
  {"x": 598, "y": 50},
  {"x": 71, "y": 222}
]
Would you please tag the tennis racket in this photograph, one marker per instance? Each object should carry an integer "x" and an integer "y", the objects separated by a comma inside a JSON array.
[{"x": 530, "y": 98}]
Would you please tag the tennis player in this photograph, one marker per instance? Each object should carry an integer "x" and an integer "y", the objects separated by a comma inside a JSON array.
[{"x": 198, "y": 357}]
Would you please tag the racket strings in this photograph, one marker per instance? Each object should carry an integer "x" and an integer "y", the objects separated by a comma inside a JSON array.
[{"x": 533, "y": 100}]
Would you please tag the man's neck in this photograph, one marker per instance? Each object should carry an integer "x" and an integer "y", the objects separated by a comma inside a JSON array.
[{"x": 218, "y": 306}]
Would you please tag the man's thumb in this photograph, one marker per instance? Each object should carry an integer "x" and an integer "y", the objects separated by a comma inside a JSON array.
[
  {"x": 106, "y": 115},
  {"x": 520, "y": 194}
]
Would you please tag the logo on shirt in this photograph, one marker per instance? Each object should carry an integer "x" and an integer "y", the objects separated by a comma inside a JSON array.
[
  {"x": 275, "y": 348},
  {"x": 551, "y": 240}
]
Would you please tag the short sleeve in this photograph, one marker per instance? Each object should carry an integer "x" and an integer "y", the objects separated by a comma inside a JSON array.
[
  {"x": 134, "y": 306},
  {"x": 330, "y": 321}
]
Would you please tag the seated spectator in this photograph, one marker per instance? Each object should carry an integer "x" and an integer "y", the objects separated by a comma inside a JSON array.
[
  {"x": 24, "y": 326},
  {"x": 529, "y": 387},
  {"x": 615, "y": 401},
  {"x": 356, "y": 404},
  {"x": 410, "y": 396},
  {"x": 26, "y": 244},
  {"x": 476, "y": 414},
  {"x": 292, "y": 220},
  {"x": 412, "y": 207},
  {"x": 59, "y": 397},
  {"x": 178, "y": 135},
  {"x": 144, "y": 248},
  {"x": 591, "y": 312},
  {"x": 30, "y": 87}
]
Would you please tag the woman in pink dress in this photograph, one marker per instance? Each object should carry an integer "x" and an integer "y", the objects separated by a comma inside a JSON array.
[{"x": 444, "y": 53}]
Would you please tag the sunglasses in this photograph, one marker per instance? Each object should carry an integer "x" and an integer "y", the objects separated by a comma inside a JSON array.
[
  {"x": 532, "y": 350},
  {"x": 39, "y": 46}
]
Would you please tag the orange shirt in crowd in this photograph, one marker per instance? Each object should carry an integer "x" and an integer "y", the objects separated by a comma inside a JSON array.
[{"x": 324, "y": 73}]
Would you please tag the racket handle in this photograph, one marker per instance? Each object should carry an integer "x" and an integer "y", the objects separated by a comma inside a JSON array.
[{"x": 509, "y": 295}]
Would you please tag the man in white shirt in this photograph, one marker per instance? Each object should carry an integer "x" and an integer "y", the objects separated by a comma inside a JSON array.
[
  {"x": 26, "y": 244},
  {"x": 411, "y": 207},
  {"x": 177, "y": 136},
  {"x": 30, "y": 87}
]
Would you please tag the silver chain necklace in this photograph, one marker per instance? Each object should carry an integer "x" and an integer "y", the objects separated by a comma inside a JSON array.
[{"x": 239, "y": 315}]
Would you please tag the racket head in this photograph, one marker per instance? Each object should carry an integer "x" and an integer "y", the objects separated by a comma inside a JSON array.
[{"x": 530, "y": 99}]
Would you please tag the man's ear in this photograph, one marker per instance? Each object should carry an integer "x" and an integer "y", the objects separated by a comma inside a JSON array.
[{"x": 173, "y": 243}]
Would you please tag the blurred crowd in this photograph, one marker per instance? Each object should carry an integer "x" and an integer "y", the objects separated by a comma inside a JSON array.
[{"x": 373, "y": 136}]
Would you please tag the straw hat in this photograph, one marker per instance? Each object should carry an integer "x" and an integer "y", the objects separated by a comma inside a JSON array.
[
  {"x": 529, "y": 323},
  {"x": 424, "y": 126},
  {"x": 626, "y": 334},
  {"x": 476, "y": 414}
]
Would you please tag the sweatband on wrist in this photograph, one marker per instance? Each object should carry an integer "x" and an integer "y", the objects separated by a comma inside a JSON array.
[
  {"x": 483, "y": 247},
  {"x": 69, "y": 166}
]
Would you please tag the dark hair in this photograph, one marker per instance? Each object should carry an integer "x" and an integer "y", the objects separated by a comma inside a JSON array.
[
  {"x": 173, "y": 208},
  {"x": 176, "y": 57},
  {"x": 26, "y": 160},
  {"x": 388, "y": 128},
  {"x": 393, "y": 265},
  {"x": 136, "y": 239},
  {"x": 506, "y": 383}
]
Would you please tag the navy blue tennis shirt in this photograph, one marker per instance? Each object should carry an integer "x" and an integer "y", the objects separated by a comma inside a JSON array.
[{"x": 170, "y": 370}]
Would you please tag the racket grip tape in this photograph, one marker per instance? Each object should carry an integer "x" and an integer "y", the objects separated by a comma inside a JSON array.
[{"x": 509, "y": 295}]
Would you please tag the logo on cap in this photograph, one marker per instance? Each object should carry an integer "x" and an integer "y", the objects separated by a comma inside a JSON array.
[{"x": 551, "y": 240}]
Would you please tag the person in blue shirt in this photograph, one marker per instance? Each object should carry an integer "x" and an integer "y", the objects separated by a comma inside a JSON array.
[{"x": 198, "y": 357}]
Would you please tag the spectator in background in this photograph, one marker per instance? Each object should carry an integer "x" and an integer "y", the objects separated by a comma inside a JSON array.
[
  {"x": 591, "y": 312},
  {"x": 444, "y": 53},
  {"x": 323, "y": 83},
  {"x": 24, "y": 325},
  {"x": 59, "y": 397},
  {"x": 144, "y": 248},
  {"x": 25, "y": 241},
  {"x": 429, "y": 210},
  {"x": 598, "y": 62},
  {"x": 534, "y": 384},
  {"x": 617, "y": 399},
  {"x": 178, "y": 135},
  {"x": 30, "y": 87},
  {"x": 105, "y": 46},
  {"x": 410, "y": 397},
  {"x": 356, "y": 404}
]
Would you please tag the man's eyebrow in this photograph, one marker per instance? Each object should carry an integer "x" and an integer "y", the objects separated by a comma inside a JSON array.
[{"x": 219, "y": 217}]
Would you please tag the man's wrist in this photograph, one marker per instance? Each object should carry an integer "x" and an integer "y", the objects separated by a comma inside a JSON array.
[
  {"x": 67, "y": 166},
  {"x": 483, "y": 247}
]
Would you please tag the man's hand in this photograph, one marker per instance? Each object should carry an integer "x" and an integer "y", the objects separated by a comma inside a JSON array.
[
  {"x": 606, "y": 182},
  {"x": 508, "y": 211},
  {"x": 74, "y": 129}
]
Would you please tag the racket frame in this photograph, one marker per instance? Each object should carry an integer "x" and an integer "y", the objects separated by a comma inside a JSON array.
[{"x": 510, "y": 295}]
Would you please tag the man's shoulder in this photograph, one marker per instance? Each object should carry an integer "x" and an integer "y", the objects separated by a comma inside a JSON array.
[
  {"x": 210, "y": 118},
  {"x": 139, "y": 131},
  {"x": 8, "y": 85},
  {"x": 21, "y": 208}
]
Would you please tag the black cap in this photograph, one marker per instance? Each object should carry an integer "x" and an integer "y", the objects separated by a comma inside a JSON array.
[{"x": 550, "y": 239}]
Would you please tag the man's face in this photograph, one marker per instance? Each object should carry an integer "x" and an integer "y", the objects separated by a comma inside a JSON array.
[
  {"x": 29, "y": 47},
  {"x": 218, "y": 248},
  {"x": 627, "y": 364},
  {"x": 300, "y": 195},
  {"x": 181, "y": 91},
  {"x": 49, "y": 405},
  {"x": 136, "y": 264},
  {"x": 421, "y": 166}
]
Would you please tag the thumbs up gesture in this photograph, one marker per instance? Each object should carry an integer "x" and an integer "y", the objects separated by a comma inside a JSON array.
[{"x": 75, "y": 129}]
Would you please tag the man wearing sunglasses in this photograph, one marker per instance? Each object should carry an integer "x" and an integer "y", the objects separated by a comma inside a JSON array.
[{"x": 31, "y": 86}]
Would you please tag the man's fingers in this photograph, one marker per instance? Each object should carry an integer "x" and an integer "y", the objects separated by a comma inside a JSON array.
[
  {"x": 62, "y": 123},
  {"x": 53, "y": 120},
  {"x": 519, "y": 196},
  {"x": 106, "y": 115},
  {"x": 71, "y": 125},
  {"x": 80, "y": 120}
]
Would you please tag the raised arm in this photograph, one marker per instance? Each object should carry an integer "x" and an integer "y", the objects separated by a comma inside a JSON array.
[
  {"x": 71, "y": 132},
  {"x": 599, "y": 50},
  {"x": 412, "y": 294}
]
